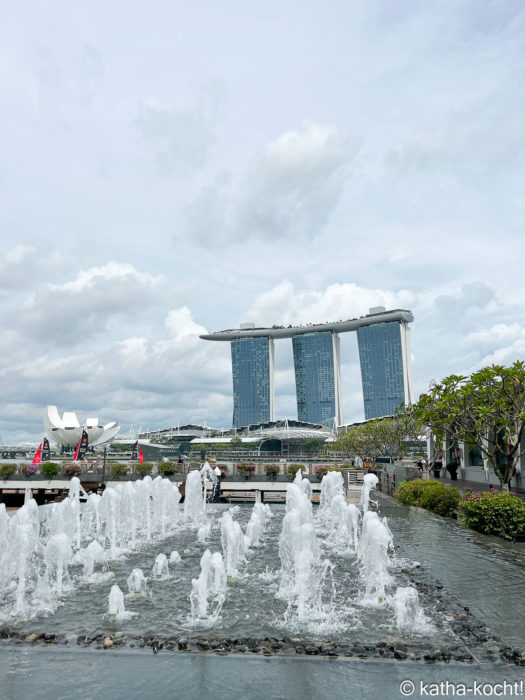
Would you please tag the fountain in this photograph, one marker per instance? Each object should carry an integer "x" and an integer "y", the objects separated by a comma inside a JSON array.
[
  {"x": 338, "y": 519},
  {"x": 369, "y": 483},
  {"x": 137, "y": 583},
  {"x": 116, "y": 608},
  {"x": 160, "y": 569},
  {"x": 194, "y": 500},
  {"x": 175, "y": 558},
  {"x": 92, "y": 554},
  {"x": 39, "y": 545},
  {"x": 209, "y": 587},
  {"x": 234, "y": 545},
  {"x": 373, "y": 555},
  {"x": 286, "y": 581},
  {"x": 409, "y": 616},
  {"x": 323, "y": 572},
  {"x": 57, "y": 556},
  {"x": 303, "y": 573},
  {"x": 261, "y": 513}
]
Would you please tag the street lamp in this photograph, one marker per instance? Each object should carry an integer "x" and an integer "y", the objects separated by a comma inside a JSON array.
[{"x": 104, "y": 467}]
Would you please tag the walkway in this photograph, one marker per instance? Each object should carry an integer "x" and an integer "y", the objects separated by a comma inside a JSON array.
[{"x": 467, "y": 485}]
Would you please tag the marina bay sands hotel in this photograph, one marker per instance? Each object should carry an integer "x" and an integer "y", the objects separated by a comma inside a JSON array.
[{"x": 384, "y": 353}]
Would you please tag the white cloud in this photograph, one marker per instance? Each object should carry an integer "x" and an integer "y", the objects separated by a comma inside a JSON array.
[
  {"x": 71, "y": 312},
  {"x": 284, "y": 305},
  {"x": 290, "y": 190},
  {"x": 93, "y": 280},
  {"x": 312, "y": 164}
]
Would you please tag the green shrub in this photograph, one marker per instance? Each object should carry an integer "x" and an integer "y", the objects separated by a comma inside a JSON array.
[
  {"x": 119, "y": 469},
  {"x": 144, "y": 468},
  {"x": 293, "y": 469},
  {"x": 50, "y": 469},
  {"x": 440, "y": 499},
  {"x": 493, "y": 513},
  {"x": 409, "y": 493},
  {"x": 7, "y": 469},
  {"x": 169, "y": 468},
  {"x": 272, "y": 470}
]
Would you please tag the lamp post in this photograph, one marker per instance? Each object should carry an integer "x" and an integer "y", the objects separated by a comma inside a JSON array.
[{"x": 104, "y": 467}]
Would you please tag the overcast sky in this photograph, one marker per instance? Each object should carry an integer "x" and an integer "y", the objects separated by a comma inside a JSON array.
[{"x": 170, "y": 168}]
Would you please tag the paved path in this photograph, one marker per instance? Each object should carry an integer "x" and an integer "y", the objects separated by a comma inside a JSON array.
[{"x": 467, "y": 485}]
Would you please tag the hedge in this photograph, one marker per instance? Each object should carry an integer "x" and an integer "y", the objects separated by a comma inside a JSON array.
[
  {"x": 431, "y": 495},
  {"x": 493, "y": 513}
]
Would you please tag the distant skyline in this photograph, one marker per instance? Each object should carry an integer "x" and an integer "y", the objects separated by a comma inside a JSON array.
[{"x": 171, "y": 169}]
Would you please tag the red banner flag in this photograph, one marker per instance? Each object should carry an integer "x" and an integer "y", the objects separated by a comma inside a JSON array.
[
  {"x": 38, "y": 455},
  {"x": 141, "y": 456}
]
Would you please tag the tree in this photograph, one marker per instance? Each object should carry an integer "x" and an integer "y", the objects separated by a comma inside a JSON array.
[
  {"x": 485, "y": 410},
  {"x": 312, "y": 445},
  {"x": 236, "y": 443},
  {"x": 392, "y": 437},
  {"x": 412, "y": 431},
  {"x": 361, "y": 440}
]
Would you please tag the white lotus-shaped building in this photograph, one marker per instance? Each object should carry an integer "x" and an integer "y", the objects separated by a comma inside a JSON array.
[{"x": 68, "y": 431}]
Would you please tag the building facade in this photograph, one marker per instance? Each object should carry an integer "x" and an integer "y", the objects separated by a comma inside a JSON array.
[
  {"x": 384, "y": 352},
  {"x": 252, "y": 370},
  {"x": 317, "y": 377}
]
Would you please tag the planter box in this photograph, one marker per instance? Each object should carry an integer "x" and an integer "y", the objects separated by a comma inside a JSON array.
[{"x": 282, "y": 478}]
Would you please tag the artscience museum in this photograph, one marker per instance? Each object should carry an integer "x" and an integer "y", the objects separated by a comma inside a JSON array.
[{"x": 67, "y": 430}]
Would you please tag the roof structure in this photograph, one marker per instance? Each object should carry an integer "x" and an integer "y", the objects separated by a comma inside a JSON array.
[
  {"x": 184, "y": 432},
  {"x": 67, "y": 430},
  {"x": 285, "y": 430},
  {"x": 401, "y": 315}
]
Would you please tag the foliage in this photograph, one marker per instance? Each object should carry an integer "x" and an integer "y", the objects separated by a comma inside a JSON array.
[
  {"x": 272, "y": 470},
  {"x": 312, "y": 445},
  {"x": 361, "y": 440},
  {"x": 72, "y": 470},
  {"x": 50, "y": 469},
  {"x": 7, "y": 469},
  {"x": 494, "y": 513},
  {"x": 168, "y": 468},
  {"x": 144, "y": 468},
  {"x": 320, "y": 470},
  {"x": 223, "y": 468},
  {"x": 429, "y": 494},
  {"x": 485, "y": 410},
  {"x": 119, "y": 447},
  {"x": 119, "y": 469},
  {"x": 440, "y": 499},
  {"x": 247, "y": 469},
  {"x": 409, "y": 493},
  {"x": 236, "y": 443},
  {"x": 28, "y": 469},
  {"x": 293, "y": 469}
]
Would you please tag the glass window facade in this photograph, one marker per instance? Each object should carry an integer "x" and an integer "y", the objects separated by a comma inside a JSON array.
[
  {"x": 313, "y": 356},
  {"x": 252, "y": 369},
  {"x": 475, "y": 457},
  {"x": 381, "y": 357}
]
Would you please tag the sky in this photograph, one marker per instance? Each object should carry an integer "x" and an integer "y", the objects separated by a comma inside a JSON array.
[{"x": 170, "y": 168}]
